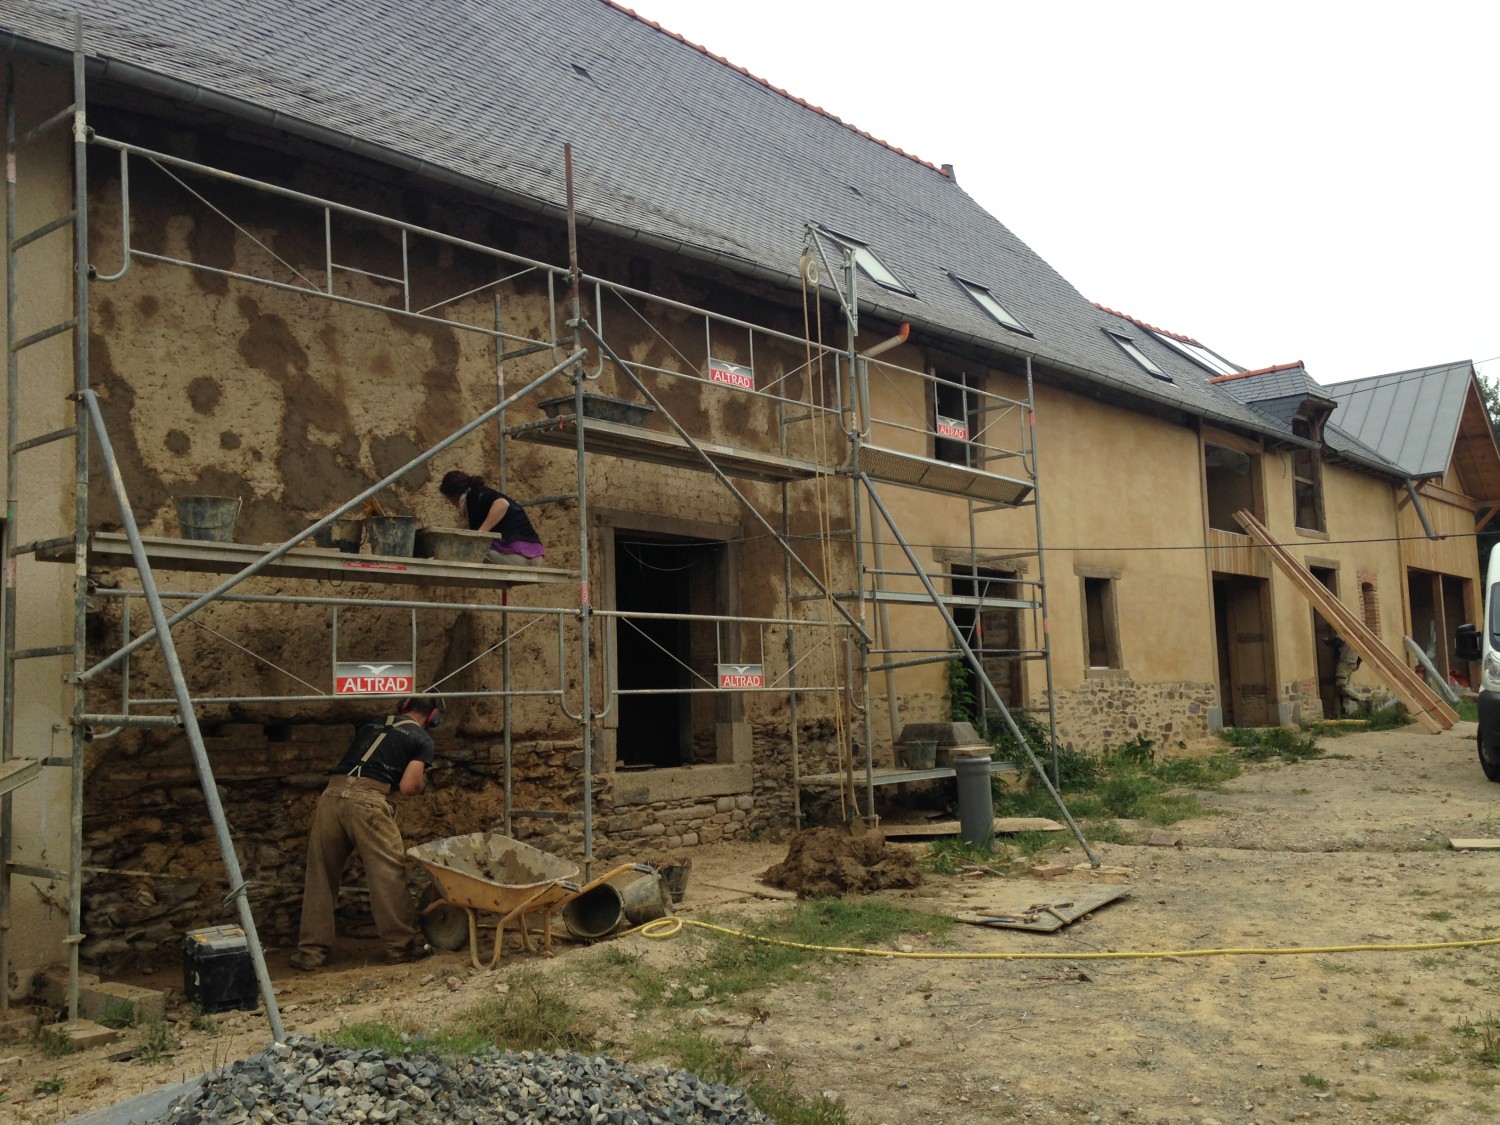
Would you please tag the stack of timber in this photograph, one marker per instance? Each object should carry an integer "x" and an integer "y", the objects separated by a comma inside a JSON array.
[{"x": 1414, "y": 694}]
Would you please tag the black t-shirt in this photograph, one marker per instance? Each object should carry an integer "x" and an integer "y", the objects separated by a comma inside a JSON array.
[
  {"x": 512, "y": 526},
  {"x": 405, "y": 742}
]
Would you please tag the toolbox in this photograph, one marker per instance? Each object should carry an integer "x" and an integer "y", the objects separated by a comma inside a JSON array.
[{"x": 217, "y": 972}]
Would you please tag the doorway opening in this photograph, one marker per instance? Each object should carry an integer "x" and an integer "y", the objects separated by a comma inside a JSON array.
[
  {"x": 1325, "y": 646},
  {"x": 660, "y": 657},
  {"x": 1242, "y": 634},
  {"x": 994, "y": 633},
  {"x": 1439, "y": 604}
]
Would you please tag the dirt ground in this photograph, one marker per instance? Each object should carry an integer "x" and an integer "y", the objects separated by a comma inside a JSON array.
[{"x": 1349, "y": 849}]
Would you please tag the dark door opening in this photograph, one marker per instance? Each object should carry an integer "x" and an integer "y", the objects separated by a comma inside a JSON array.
[
  {"x": 1244, "y": 645},
  {"x": 994, "y": 633},
  {"x": 1439, "y": 604},
  {"x": 660, "y": 656},
  {"x": 1325, "y": 648}
]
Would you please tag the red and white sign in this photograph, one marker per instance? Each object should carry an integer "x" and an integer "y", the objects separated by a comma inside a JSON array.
[
  {"x": 742, "y": 676},
  {"x": 731, "y": 374},
  {"x": 374, "y": 679},
  {"x": 952, "y": 428}
]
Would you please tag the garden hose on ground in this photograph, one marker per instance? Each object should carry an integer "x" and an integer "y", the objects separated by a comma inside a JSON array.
[{"x": 664, "y": 928}]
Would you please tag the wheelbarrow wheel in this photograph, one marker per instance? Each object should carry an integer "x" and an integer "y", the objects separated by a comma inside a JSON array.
[{"x": 445, "y": 926}]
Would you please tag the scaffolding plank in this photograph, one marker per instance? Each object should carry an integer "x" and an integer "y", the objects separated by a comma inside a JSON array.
[
  {"x": 919, "y": 597},
  {"x": 895, "y": 776},
  {"x": 113, "y": 549},
  {"x": 895, "y": 467},
  {"x": 661, "y": 448}
]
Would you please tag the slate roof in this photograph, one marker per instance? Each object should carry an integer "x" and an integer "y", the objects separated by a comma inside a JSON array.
[
  {"x": 1411, "y": 417},
  {"x": 1276, "y": 392},
  {"x": 671, "y": 145}
]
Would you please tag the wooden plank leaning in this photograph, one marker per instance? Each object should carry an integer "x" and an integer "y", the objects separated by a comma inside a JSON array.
[{"x": 1423, "y": 703}]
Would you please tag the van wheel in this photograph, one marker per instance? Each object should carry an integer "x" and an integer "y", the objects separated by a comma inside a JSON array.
[{"x": 1491, "y": 769}]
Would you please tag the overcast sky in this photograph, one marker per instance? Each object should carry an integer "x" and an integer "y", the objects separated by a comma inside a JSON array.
[{"x": 1314, "y": 181}]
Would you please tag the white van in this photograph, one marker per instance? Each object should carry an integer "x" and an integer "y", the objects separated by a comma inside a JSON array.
[{"x": 1484, "y": 646}]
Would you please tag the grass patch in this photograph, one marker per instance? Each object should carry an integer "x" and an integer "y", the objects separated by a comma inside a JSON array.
[
  {"x": 1468, "y": 710},
  {"x": 118, "y": 1014},
  {"x": 1387, "y": 1041},
  {"x": 54, "y": 1043},
  {"x": 947, "y": 857},
  {"x": 1439, "y": 916},
  {"x": 769, "y": 1087},
  {"x": 158, "y": 1042},
  {"x": 1271, "y": 744},
  {"x": 1127, "y": 782},
  {"x": 1424, "y": 1074},
  {"x": 1480, "y": 1040},
  {"x": 1314, "y": 1082},
  {"x": 46, "y": 1087},
  {"x": 534, "y": 1014}
]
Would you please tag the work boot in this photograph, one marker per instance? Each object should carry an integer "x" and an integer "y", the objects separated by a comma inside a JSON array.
[
  {"x": 306, "y": 959},
  {"x": 416, "y": 951}
]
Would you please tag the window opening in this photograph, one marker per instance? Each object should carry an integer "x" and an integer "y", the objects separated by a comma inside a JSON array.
[
  {"x": 994, "y": 633},
  {"x": 1230, "y": 476},
  {"x": 956, "y": 418},
  {"x": 1100, "y": 630},
  {"x": 1130, "y": 348},
  {"x": 1307, "y": 480},
  {"x": 870, "y": 265},
  {"x": 985, "y": 298}
]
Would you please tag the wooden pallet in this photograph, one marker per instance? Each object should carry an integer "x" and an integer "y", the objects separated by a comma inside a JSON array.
[{"x": 1423, "y": 703}]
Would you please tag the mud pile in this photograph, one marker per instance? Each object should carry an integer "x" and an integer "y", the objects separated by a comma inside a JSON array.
[{"x": 829, "y": 863}]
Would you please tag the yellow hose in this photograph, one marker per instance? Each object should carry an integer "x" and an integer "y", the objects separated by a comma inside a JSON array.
[{"x": 664, "y": 928}]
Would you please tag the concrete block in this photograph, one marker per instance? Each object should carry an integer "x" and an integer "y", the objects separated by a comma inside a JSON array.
[
  {"x": 84, "y": 1034},
  {"x": 50, "y": 986}
]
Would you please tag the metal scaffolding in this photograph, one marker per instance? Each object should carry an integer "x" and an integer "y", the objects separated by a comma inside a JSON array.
[{"x": 826, "y": 438}]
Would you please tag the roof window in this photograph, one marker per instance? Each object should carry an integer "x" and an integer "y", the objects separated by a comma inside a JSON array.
[
  {"x": 870, "y": 264},
  {"x": 1128, "y": 346},
  {"x": 986, "y": 300},
  {"x": 1204, "y": 357}
]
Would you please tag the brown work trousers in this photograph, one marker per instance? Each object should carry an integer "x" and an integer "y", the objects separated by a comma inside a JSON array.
[{"x": 353, "y": 815}]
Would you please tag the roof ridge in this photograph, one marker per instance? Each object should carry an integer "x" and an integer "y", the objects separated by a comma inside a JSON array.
[
  {"x": 1258, "y": 371},
  {"x": 1149, "y": 327},
  {"x": 945, "y": 171}
]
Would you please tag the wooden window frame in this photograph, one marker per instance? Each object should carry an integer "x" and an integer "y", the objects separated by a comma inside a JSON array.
[{"x": 1107, "y": 580}]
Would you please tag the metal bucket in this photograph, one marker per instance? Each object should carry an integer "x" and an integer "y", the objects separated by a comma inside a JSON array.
[
  {"x": 391, "y": 535},
  {"x": 919, "y": 754},
  {"x": 209, "y": 518},
  {"x": 345, "y": 534},
  {"x": 643, "y": 898},
  {"x": 674, "y": 877},
  {"x": 595, "y": 913}
]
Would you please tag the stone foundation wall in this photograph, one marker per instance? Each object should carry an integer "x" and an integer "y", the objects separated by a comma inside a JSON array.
[
  {"x": 1111, "y": 710},
  {"x": 157, "y": 869}
]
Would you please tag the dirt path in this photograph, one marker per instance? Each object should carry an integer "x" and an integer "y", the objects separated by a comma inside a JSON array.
[{"x": 1350, "y": 849}]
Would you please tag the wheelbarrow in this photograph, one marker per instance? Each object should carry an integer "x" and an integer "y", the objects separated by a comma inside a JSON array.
[{"x": 484, "y": 871}]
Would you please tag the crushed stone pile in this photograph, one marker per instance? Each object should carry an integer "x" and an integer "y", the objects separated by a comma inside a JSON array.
[
  {"x": 305, "y": 1081},
  {"x": 829, "y": 863}
]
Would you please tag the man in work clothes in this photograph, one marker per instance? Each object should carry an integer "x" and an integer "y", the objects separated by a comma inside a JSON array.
[{"x": 353, "y": 815}]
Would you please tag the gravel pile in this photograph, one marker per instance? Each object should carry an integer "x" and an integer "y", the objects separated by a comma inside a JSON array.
[{"x": 305, "y": 1081}]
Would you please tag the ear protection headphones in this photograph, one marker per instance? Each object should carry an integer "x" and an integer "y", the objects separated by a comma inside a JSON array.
[{"x": 434, "y": 716}]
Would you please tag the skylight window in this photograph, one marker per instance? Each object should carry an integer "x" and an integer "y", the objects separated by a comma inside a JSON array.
[
  {"x": 987, "y": 300},
  {"x": 869, "y": 263},
  {"x": 1128, "y": 346},
  {"x": 1204, "y": 357}
]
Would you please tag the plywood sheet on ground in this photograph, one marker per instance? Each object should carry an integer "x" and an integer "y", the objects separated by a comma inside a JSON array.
[
  {"x": 1004, "y": 826},
  {"x": 1475, "y": 845},
  {"x": 1024, "y": 906}
]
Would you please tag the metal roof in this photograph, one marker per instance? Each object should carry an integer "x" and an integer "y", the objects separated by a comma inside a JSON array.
[
  {"x": 1409, "y": 417},
  {"x": 672, "y": 145}
]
